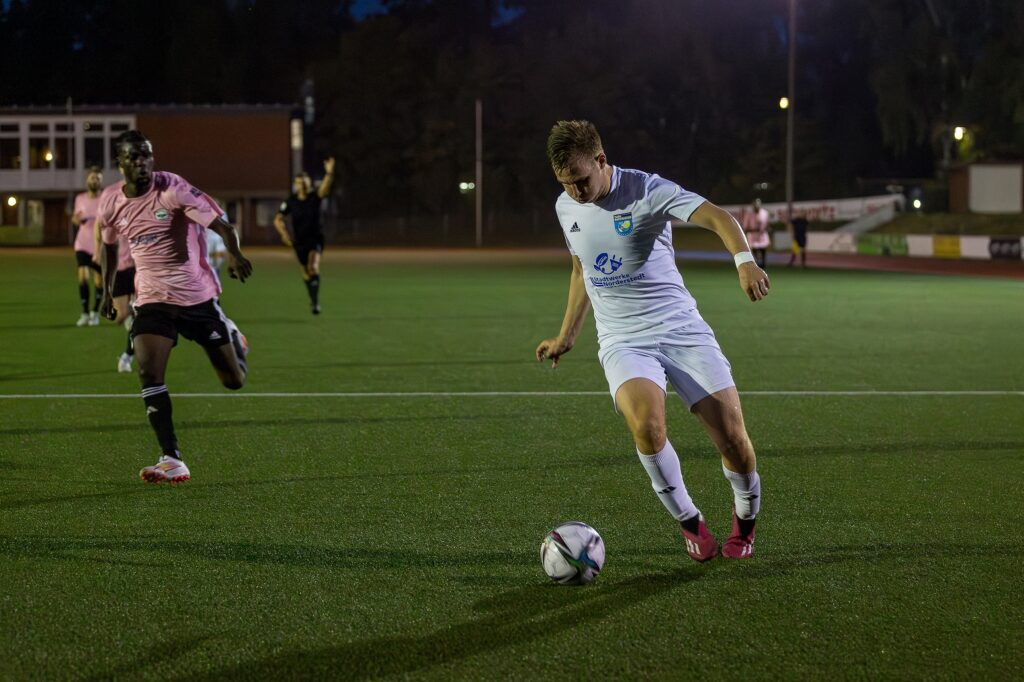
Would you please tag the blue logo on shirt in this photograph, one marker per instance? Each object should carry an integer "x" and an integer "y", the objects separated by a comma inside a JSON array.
[
  {"x": 606, "y": 265},
  {"x": 623, "y": 224}
]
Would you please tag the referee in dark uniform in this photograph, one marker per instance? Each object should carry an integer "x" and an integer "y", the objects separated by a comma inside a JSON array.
[{"x": 308, "y": 240}]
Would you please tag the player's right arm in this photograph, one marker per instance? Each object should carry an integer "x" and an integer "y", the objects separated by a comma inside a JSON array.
[
  {"x": 280, "y": 226},
  {"x": 576, "y": 310}
]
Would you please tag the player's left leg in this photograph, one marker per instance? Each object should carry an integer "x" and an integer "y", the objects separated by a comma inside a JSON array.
[
  {"x": 722, "y": 417},
  {"x": 97, "y": 295},
  {"x": 220, "y": 337},
  {"x": 313, "y": 278},
  {"x": 123, "y": 308}
]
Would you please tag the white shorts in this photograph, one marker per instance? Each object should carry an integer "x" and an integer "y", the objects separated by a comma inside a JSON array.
[{"x": 694, "y": 370}]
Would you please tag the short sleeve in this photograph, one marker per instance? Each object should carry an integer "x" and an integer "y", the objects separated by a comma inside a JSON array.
[
  {"x": 669, "y": 200},
  {"x": 198, "y": 206},
  {"x": 285, "y": 208},
  {"x": 107, "y": 231},
  {"x": 563, "y": 221}
]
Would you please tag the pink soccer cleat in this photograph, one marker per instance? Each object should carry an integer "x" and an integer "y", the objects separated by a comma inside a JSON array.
[
  {"x": 740, "y": 544},
  {"x": 701, "y": 546},
  {"x": 166, "y": 470}
]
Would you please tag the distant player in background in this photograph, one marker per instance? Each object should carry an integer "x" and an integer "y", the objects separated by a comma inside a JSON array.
[
  {"x": 163, "y": 217},
  {"x": 755, "y": 224},
  {"x": 308, "y": 241},
  {"x": 123, "y": 294},
  {"x": 617, "y": 225},
  {"x": 798, "y": 228},
  {"x": 216, "y": 252},
  {"x": 83, "y": 216}
]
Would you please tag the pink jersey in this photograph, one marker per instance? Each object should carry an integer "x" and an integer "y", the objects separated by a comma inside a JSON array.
[
  {"x": 89, "y": 208},
  {"x": 124, "y": 254},
  {"x": 164, "y": 228}
]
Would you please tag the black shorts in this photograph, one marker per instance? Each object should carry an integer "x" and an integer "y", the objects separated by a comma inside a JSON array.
[
  {"x": 84, "y": 260},
  {"x": 801, "y": 239},
  {"x": 203, "y": 323},
  {"x": 124, "y": 282},
  {"x": 305, "y": 247}
]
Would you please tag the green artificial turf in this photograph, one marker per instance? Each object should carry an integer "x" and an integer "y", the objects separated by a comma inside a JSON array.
[{"x": 398, "y": 537}]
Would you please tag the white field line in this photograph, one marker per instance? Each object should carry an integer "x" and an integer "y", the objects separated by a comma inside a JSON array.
[{"x": 489, "y": 394}]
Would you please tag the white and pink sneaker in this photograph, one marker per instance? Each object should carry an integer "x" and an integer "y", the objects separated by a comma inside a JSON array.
[{"x": 166, "y": 470}]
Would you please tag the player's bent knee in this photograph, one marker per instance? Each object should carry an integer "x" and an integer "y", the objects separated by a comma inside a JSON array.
[{"x": 649, "y": 434}]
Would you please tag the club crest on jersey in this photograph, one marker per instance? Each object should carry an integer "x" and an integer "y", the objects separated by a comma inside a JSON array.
[
  {"x": 623, "y": 224},
  {"x": 162, "y": 214},
  {"x": 606, "y": 265}
]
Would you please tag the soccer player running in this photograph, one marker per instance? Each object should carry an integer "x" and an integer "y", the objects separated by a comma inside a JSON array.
[
  {"x": 162, "y": 216},
  {"x": 84, "y": 218},
  {"x": 304, "y": 208},
  {"x": 616, "y": 225}
]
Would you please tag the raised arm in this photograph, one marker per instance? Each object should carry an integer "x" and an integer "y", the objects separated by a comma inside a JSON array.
[
  {"x": 753, "y": 279},
  {"x": 576, "y": 310},
  {"x": 325, "y": 186}
]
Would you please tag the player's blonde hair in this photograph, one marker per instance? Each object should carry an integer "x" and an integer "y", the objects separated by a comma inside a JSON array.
[{"x": 570, "y": 140}]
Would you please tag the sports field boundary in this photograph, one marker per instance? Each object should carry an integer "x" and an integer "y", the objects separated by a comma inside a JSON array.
[{"x": 501, "y": 394}]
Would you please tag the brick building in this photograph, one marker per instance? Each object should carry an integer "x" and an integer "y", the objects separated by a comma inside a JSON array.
[{"x": 241, "y": 155}]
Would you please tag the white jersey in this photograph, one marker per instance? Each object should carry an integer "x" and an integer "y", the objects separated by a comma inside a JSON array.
[{"x": 624, "y": 243}]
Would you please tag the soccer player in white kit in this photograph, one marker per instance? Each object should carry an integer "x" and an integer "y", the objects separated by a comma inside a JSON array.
[{"x": 616, "y": 225}]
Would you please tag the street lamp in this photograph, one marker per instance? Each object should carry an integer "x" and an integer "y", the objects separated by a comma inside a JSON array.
[
  {"x": 783, "y": 103},
  {"x": 789, "y": 107},
  {"x": 12, "y": 201},
  {"x": 958, "y": 133}
]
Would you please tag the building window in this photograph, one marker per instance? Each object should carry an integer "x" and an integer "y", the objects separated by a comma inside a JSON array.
[
  {"x": 9, "y": 209},
  {"x": 94, "y": 152},
  {"x": 39, "y": 153},
  {"x": 63, "y": 152},
  {"x": 10, "y": 153},
  {"x": 34, "y": 211}
]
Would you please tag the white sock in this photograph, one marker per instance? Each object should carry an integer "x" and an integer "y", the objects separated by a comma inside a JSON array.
[
  {"x": 746, "y": 492},
  {"x": 667, "y": 481}
]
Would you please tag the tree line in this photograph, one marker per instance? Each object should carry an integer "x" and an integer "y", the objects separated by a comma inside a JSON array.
[{"x": 687, "y": 88}]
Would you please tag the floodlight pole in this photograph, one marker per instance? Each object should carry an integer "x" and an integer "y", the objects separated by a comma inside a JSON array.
[
  {"x": 479, "y": 190},
  {"x": 790, "y": 109}
]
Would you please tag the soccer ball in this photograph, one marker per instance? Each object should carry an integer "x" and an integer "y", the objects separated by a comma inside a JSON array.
[{"x": 572, "y": 554}]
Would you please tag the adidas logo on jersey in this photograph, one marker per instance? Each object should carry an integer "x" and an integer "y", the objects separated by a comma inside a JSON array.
[
  {"x": 575, "y": 227},
  {"x": 215, "y": 336}
]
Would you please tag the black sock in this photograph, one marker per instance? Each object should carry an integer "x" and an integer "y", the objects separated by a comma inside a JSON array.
[
  {"x": 692, "y": 524},
  {"x": 158, "y": 409},
  {"x": 130, "y": 348},
  {"x": 83, "y": 294},
  {"x": 97, "y": 296},
  {"x": 313, "y": 287}
]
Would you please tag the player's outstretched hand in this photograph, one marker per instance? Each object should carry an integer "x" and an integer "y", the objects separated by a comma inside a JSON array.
[
  {"x": 239, "y": 267},
  {"x": 754, "y": 281},
  {"x": 552, "y": 349},
  {"x": 107, "y": 309}
]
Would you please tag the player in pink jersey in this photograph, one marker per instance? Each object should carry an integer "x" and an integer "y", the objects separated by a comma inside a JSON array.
[
  {"x": 84, "y": 218},
  {"x": 162, "y": 216}
]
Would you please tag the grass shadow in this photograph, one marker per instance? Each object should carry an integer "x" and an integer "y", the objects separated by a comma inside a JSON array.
[{"x": 508, "y": 619}]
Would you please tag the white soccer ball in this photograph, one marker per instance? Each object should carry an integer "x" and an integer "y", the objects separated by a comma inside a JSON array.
[{"x": 572, "y": 554}]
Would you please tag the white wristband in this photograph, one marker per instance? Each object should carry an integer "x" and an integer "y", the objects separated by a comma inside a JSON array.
[{"x": 743, "y": 257}]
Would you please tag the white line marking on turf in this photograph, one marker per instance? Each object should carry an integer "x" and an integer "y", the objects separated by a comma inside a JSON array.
[{"x": 489, "y": 394}]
